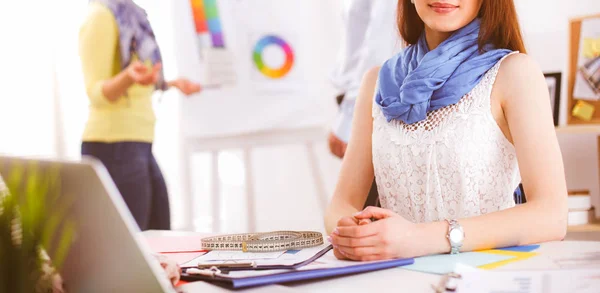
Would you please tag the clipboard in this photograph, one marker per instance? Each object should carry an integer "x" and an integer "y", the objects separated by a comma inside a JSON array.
[
  {"x": 227, "y": 266},
  {"x": 322, "y": 265}
]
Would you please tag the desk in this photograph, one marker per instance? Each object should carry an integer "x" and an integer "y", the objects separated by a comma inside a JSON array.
[{"x": 397, "y": 278}]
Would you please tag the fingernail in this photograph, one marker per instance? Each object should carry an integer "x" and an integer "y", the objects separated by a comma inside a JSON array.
[
  {"x": 329, "y": 239},
  {"x": 336, "y": 232},
  {"x": 357, "y": 214}
]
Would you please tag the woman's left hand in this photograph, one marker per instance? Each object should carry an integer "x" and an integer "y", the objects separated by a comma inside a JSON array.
[
  {"x": 171, "y": 268},
  {"x": 173, "y": 271},
  {"x": 391, "y": 236},
  {"x": 186, "y": 86}
]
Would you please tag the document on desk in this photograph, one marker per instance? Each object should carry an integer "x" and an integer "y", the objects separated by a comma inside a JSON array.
[
  {"x": 279, "y": 258},
  {"x": 445, "y": 263},
  {"x": 322, "y": 265},
  {"x": 551, "y": 281},
  {"x": 488, "y": 259},
  {"x": 327, "y": 261},
  {"x": 589, "y": 259},
  {"x": 238, "y": 255}
]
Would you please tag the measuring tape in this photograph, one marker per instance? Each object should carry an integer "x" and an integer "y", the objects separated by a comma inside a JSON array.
[{"x": 264, "y": 242}]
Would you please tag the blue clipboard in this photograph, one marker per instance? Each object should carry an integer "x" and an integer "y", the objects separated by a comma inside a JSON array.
[{"x": 294, "y": 275}]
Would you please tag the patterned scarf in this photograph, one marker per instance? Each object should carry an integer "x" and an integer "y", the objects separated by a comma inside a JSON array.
[
  {"x": 418, "y": 81},
  {"x": 135, "y": 34}
]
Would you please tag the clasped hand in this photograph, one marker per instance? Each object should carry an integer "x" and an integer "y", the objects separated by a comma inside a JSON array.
[{"x": 389, "y": 236}]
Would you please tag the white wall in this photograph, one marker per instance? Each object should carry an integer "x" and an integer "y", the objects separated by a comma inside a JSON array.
[
  {"x": 545, "y": 25},
  {"x": 26, "y": 79}
]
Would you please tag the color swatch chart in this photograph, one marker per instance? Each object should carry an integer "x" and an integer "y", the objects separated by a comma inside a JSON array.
[{"x": 208, "y": 22}]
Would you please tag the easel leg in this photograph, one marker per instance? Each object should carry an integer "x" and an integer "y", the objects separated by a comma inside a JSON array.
[
  {"x": 250, "y": 198},
  {"x": 215, "y": 193}
]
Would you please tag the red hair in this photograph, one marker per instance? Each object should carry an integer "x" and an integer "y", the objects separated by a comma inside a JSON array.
[{"x": 499, "y": 24}]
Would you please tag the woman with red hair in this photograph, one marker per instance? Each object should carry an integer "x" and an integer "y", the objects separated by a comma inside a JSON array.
[{"x": 449, "y": 127}]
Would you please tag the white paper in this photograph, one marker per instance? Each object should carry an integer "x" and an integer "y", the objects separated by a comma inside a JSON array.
[
  {"x": 582, "y": 260},
  {"x": 327, "y": 261},
  {"x": 551, "y": 281},
  {"x": 289, "y": 259},
  {"x": 223, "y": 255},
  {"x": 219, "y": 67},
  {"x": 261, "y": 259},
  {"x": 590, "y": 28}
]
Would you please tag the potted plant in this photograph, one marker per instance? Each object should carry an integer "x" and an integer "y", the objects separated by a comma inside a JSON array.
[{"x": 33, "y": 242}]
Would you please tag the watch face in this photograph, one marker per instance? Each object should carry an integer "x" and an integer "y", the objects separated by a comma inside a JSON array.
[{"x": 456, "y": 236}]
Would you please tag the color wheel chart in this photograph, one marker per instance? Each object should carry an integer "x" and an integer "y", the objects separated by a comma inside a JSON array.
[
  {"x": 208, "y": 23},
  {"x": 271, "y": 72}
]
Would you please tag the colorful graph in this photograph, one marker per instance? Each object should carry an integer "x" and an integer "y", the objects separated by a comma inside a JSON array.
[
  {"x": 265, "y": 69},
  {"x": 208, "y": 22}
]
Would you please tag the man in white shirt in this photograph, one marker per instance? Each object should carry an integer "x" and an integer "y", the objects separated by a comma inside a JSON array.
[{"x": 370, "y": 38}]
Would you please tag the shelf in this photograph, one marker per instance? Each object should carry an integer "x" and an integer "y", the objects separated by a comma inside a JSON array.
[
  {"x": 595, "y": 227},
  {"x": 574, "y": 129}
]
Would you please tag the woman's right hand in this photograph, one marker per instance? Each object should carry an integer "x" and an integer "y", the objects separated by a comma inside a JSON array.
[
  {"x": 345, "y": 222},
  {"x": 142, "y": 74}
]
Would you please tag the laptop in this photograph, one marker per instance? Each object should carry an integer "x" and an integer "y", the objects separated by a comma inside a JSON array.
[{"x": 108, "y": 254}]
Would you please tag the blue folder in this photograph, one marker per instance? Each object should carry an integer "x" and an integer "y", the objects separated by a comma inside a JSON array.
[{"x": 298, "y": 275}]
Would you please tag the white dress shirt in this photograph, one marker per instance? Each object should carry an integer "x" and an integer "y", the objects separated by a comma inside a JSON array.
[{"x": 370, "y": 38}]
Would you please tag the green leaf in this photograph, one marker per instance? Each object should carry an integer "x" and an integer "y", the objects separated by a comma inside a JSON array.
[
  {"x": 50, "y": 230},
  {"x": 34, "y": 202},
  {"x": 68, "y": 235}
]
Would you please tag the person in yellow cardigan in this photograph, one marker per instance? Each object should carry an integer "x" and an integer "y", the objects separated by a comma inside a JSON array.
[{"x": 121, "y": 64}]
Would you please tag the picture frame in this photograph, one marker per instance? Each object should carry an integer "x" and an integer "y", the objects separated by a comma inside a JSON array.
[{"x": 554, "y": 80}]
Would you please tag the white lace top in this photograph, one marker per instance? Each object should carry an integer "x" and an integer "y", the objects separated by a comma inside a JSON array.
[{"x": 455, "y": 164}]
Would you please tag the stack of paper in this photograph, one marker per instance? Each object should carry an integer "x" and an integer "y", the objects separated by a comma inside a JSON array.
[{"x": 581, "y": 211}]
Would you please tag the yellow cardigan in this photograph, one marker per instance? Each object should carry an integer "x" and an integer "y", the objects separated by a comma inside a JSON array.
[{"x": 129, "y": 118}]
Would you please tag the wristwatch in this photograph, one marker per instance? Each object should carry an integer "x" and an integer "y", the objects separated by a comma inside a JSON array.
[{"x": 455, "y": 235}]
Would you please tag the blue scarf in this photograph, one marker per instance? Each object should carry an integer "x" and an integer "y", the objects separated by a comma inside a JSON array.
[
  {"x": 418, "y": 81},
  {"x": 135, "y": 34}
]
